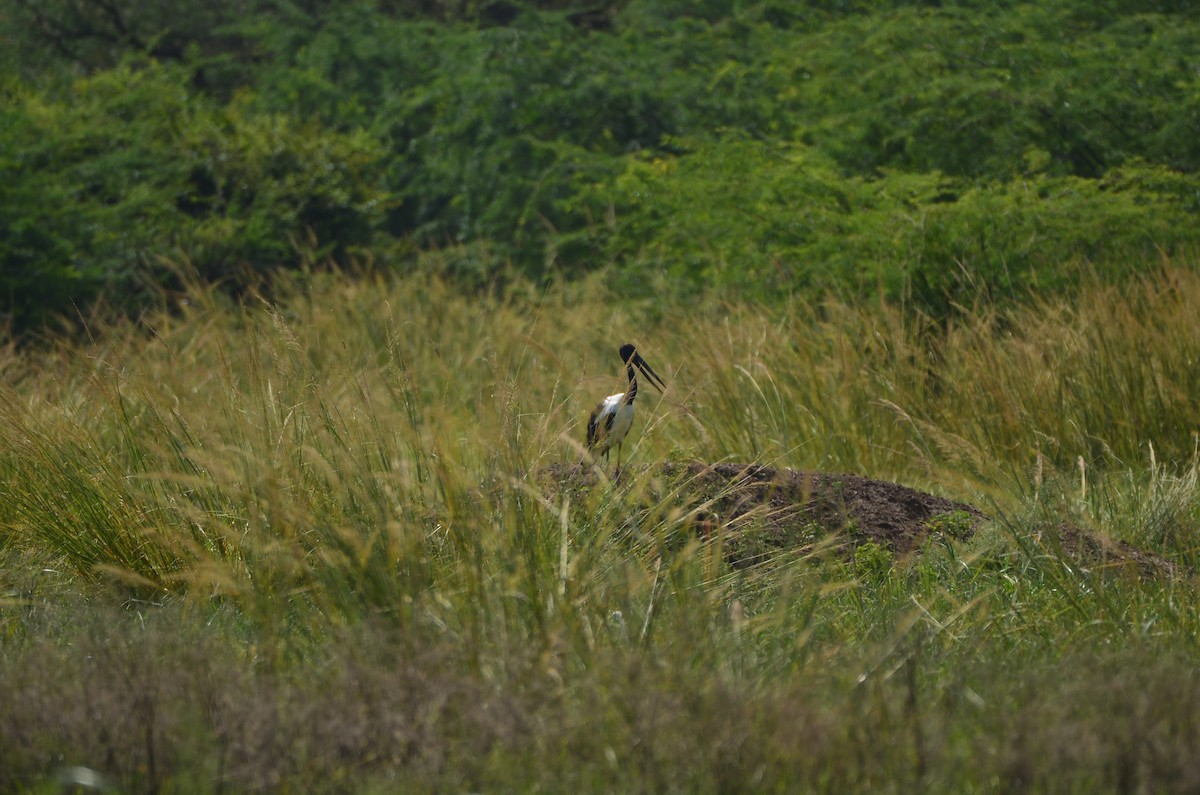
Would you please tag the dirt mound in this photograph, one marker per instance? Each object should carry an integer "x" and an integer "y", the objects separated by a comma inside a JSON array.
[
  {"x": 1089, "y": 549},
  {"x": 769, "y": 509}
]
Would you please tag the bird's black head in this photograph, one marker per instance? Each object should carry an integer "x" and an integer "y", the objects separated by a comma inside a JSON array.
[{"x": 632, "y": 358}]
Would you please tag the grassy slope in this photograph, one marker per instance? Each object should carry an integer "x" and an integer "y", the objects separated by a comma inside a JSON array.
[{"x": 299, "y": 545}]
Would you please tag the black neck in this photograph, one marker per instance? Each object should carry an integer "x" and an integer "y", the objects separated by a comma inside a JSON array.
[{"x": 631, "y": 393}]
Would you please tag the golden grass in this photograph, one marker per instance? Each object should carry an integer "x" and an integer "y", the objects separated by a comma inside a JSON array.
[
  {"x": 372, "y": 452},
  {"x": 355, "y": 416}
]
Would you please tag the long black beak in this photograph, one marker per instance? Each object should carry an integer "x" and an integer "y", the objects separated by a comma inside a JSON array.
[{"x": 648, "y": 371}]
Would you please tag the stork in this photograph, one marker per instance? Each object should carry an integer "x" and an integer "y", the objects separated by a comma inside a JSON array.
[{"x": 613, "y": 417}]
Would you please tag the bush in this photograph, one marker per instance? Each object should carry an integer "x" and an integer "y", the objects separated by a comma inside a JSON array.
[
  {"x": 131, "y": 170},
  {"x": 758, "y": 219},
  {"x": 906, "y": 149}
]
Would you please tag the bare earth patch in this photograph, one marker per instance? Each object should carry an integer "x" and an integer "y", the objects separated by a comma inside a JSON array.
[{"x": 765, "y": 510}]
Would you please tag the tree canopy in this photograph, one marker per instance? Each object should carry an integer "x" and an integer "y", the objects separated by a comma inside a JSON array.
[{"x": 927, "y": 151}]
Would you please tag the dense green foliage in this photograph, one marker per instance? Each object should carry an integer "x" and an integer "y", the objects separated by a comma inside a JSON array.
[{"x": 927, "y": 152}]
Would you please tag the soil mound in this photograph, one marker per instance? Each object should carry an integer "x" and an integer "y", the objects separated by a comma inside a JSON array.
[{"x": 770, "y": 509}]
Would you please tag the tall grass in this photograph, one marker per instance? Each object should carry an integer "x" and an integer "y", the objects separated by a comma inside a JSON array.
[{"x": 346, "y": 492}]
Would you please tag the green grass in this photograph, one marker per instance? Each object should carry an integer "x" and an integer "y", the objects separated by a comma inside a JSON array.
[{"x": 310, "y": 545}]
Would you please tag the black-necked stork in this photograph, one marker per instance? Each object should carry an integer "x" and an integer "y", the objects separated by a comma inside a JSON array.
[{"x": 613, "y": 417}]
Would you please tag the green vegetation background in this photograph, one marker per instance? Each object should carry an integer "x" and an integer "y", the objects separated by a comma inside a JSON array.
[{"x": 928, "y": 152}]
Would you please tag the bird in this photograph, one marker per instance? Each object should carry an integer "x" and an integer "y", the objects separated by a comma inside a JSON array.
[{"x": 612, "y": 418}]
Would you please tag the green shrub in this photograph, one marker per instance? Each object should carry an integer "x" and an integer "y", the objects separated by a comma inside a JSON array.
[
  {"x": 131, "y": 169},
  {"x": 906, "y": 149},
  {"x": 760, "y": 219}
]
